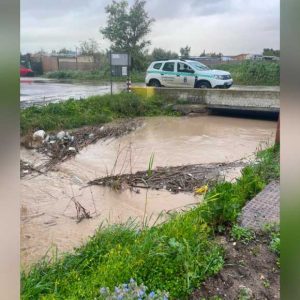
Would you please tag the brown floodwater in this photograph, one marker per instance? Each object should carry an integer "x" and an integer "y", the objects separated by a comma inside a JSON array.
[{"x": 48, "y": 213}]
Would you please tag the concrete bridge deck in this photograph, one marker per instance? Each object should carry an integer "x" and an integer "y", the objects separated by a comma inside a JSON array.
[{"x": 265, "y": 101}]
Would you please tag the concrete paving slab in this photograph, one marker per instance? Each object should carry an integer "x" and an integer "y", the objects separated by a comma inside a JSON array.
[{"x": 263, "y": 208}]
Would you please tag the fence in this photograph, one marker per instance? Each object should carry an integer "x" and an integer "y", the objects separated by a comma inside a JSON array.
[{"x": 43, "y": 64}]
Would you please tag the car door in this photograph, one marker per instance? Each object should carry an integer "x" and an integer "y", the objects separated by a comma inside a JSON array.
[
  {"x": 185, "y": 75},
  {"x": 168, "y": 75}
]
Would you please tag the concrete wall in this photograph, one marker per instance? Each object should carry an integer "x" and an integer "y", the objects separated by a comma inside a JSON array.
[{"x": 215, "y": 98}]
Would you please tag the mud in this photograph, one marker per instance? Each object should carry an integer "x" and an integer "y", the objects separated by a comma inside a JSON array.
[
  {"x": 252, "y": 268},
  {"x": 48, "y": 213}
]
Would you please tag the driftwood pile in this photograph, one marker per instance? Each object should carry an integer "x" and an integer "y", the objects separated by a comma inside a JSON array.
[
  {"x": 174, "y": 179},
  {"x": 61, "y": 149}
]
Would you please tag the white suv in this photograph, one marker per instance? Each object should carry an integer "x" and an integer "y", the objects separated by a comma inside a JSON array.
[{"x": 186, "y": 73}]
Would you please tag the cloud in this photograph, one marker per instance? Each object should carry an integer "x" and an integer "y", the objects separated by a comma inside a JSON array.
[{"x": 228, "y": 26}]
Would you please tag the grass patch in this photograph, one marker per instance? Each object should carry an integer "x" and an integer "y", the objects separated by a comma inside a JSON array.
[
  {"x": 225, "y": 200},
  {"x": 175, "y": 256},
  {"x": 242, "y": 234},
  {"x": 253, "y": 73},
  {"x": 102, "y": 75},
  {"x": 91, "y": 111}
]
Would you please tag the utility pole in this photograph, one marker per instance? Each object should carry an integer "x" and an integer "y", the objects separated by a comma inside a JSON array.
[
  {"x": 110, "y": 73},
  {"x": 76, "y": 57}
]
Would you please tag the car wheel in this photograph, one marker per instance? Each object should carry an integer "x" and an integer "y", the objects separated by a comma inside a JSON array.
[
  {"x": 203, "y": 85},
  {"x": 154, "y": 83}
]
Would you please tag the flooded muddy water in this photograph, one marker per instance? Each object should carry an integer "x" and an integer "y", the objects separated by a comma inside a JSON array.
[{"x": 47, "y": 207}]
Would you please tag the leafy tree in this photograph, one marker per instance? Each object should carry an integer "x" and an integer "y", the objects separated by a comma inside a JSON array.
[
  {"x": 40, "y": 52},
  {"x": 211, "y": 54},
  {"x": 160, "y": 54},
  {"x": 203, "y": 54},
  {"x": 89, "y": 47},
  {"x": 271, "y": 52},
  {"x": 214, "y": 54},
  {"x": 127, "y": 28},
  {"x": 185, "y": 52},
  {"x": 64, "y": 51}
]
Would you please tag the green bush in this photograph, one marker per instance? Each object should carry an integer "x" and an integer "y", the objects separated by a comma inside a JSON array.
[
  {"x": 223, "y": 203},
  {"x": 253, "y": 72}
]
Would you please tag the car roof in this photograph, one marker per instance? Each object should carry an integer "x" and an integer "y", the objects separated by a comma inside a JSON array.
[{"x": 173, "y": 60}]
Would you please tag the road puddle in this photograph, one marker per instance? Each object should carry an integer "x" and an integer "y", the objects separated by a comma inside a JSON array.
[{"x": 48, "y": 209}]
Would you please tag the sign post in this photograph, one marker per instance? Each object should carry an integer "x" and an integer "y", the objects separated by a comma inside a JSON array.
[{"x": 120, "y": 66}]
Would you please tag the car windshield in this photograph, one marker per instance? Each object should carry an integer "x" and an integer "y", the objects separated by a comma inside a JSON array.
[{"x": 199, "y": 66}]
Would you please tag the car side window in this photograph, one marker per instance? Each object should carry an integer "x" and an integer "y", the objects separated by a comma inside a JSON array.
[
  {"x": 182, "y": 67},
  {"x": 169, "y": 66},
  {"x": 157, "y": 66}
]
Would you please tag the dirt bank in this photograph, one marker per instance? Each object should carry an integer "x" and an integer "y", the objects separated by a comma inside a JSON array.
[{"x": 250, "y": 272}]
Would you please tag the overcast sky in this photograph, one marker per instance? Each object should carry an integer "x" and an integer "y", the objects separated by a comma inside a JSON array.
[{"x": 227, "y": 26}]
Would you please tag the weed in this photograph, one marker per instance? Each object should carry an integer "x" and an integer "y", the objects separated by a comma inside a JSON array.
[
  {"x": 242, "y": 234},
  {"x": 266, "y": 283},
  {"x": 245, "y": 293},
  {"x": 150, "y": 165},
  {"x": 273, "y": 229}
]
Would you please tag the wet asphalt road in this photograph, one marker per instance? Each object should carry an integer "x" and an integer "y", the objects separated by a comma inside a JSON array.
[{"x": 39, "y": 91}]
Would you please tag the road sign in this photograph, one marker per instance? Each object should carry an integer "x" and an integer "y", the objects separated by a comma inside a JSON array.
[
  {"x": 120, "y": 59},
  {"x": 119, "y": 65}
]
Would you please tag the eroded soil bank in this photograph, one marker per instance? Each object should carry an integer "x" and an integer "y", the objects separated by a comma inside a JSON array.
[
  {"x": 48, "y": 211},
  {"x": 250, "y": 272}
]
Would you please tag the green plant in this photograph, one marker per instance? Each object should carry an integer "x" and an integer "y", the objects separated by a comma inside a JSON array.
[
  {"x": 253, "y": 72},
  {"x": 150, "y": 165},
  {"x": 273, "y": 230},
  {"x": 266, "y": 283},
  {"x": 242, "y": 234},
  {"x": 223, "y": 203},
  {"x": 245, "y": 293}
]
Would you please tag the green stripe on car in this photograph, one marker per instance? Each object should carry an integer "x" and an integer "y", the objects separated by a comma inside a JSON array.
[{"x": 179, "y": 73}]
